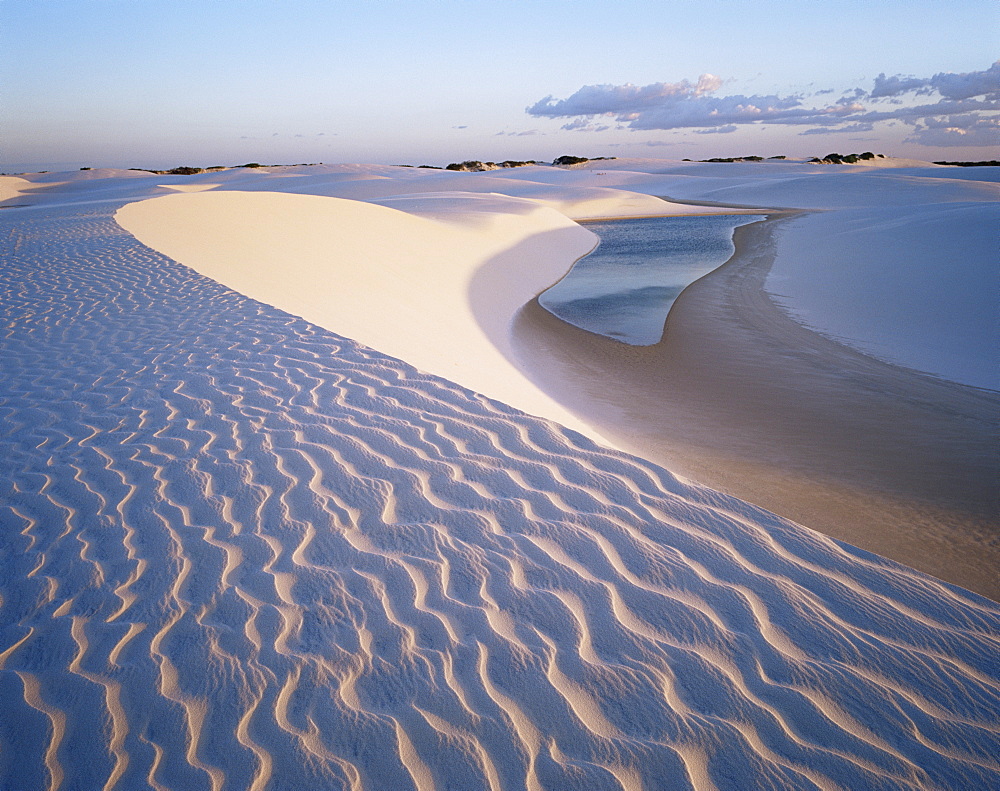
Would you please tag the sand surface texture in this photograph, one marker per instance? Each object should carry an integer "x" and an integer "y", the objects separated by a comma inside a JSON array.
[
  {"x": 837, "y": 373},
  {"x": 242, "y": 551}
]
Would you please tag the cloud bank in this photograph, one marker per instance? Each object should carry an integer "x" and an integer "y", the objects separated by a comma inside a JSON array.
[{"x": 960, "y": 109}]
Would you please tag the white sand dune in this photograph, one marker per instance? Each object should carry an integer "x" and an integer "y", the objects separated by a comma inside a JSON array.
[
  {"x": 900, "y": 264},
  {"x": 12, "y": 187},
  {"x": 403, "y": 284},
  {"x": 893, "y": 262},
  {"x": 931, "y": 304},
  {"x": 246, "y": 552}
]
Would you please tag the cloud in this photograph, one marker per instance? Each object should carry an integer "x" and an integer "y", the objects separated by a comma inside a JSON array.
[
  {"x": 663, "y": 143},
  {"x": 623, "y": 100},
  {"x": 950, "y": 86},
  {"x": 826, "y": 130},
  {"x": 583, "y": 125},
  {"x": 965, "y": 104},
  {"x": 957, "y": 131}
]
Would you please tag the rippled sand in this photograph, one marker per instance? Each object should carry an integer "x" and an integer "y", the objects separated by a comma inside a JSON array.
[{"x": 244, "y": 552}]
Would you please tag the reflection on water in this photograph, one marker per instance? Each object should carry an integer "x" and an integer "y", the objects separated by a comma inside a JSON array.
[{"x": 624, "y": 289}]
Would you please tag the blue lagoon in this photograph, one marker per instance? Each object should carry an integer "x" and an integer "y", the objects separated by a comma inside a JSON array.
[{"x": 624, "y": 289}]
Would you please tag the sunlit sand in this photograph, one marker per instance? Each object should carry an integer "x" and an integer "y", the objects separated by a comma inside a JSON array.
[{"x": 305, "y": 490}]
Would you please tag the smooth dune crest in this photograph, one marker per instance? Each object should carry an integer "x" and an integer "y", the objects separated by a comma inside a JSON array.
[
  {"x": 407, "y": 285},
  {"x": 242, "y": 551},
  {"x": 12, "y": 186}
]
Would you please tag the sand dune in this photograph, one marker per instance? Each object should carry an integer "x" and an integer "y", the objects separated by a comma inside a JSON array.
[
  {"x": 750, "y": 401},
  {"x": 12, "y": 186},
  {"x": 351, "y": 265},
  {"x": 246, "y": 552}
]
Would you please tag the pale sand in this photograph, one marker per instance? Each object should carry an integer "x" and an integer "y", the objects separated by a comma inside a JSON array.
[
  {"x": 743, "y": 399},
  {"x": 908, "y": 482},
  {"x": 242, "y": 552},
  {"x": 409, "y": 286},
  {"x": 12, "y": 187}
]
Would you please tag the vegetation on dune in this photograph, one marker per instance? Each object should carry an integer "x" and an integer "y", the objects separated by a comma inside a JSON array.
[
  {"x": 845, "y": 159},
  {"x": 738, "y": 159},
  {"x": 986, "y": 163},
  {"x": 571, "y": 160},
  {"x": 183, "y": 170},
  {"x": 475, "y": 166},
  {"x": 471, "y": 166}
]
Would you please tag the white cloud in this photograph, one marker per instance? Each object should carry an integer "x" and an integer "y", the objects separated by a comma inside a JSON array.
[
  {"x": 969, "y": 102},
  {"x": 950, "y": 86},
  {"x": 583, "y": 125},
  {"x": 627, "y": 101},
  {"x": 717, "y": 130},
  {"x": 826, "y": 130},
  {"x": 957, "y": 131}
]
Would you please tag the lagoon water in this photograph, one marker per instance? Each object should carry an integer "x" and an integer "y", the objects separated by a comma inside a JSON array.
[{"x": 624, "y": 289}]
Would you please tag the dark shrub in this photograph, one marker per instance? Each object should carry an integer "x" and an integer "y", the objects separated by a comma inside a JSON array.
[{"x": 569, "y": 160}]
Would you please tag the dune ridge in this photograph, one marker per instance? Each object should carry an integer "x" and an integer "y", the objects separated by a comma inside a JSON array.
[
  {"x": 348, "y": 265},
  {"x": 247, "y": 552}
]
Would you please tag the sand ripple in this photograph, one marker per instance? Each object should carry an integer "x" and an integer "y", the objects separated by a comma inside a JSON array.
[{"x": 241, "y": 552}]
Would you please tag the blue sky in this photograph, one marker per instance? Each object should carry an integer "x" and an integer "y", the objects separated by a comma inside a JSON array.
[{"x": 158, "y": 83}]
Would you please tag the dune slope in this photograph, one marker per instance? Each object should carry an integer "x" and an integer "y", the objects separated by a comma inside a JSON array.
[
  {"x": 245, "y": 552},
  {"x": 384, "y": 277}
]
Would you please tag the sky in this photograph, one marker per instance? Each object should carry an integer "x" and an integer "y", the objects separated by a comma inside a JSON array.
[{"x": 162, "y": 83}]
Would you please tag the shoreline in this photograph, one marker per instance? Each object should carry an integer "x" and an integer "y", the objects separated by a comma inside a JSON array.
[{"x": 741, "y": 398}]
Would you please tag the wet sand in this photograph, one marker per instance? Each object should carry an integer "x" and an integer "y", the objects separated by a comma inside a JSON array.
[{"x": 741, "y": 398}]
